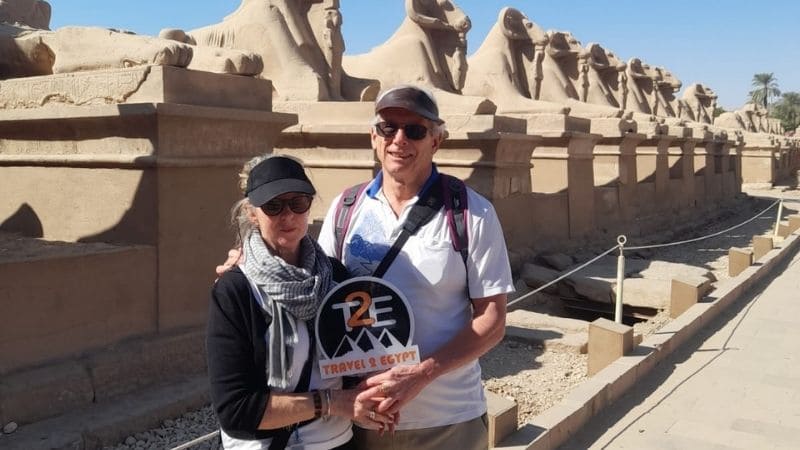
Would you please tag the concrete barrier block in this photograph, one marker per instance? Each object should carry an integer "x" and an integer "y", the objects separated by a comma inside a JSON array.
[
  {"x": 608, "y": 341},
  {"x": 794, "y": 223},
  {"x": 739, "y": 259},
  {"x": 502, "y": 414},
  {"x": 685, "y": 291},
  {"x": 761, "y": 246},
  {"x": 783, "y": 230}
]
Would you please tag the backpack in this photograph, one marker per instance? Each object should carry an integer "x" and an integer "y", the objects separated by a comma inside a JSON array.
[{"x": 448, "y": 192}]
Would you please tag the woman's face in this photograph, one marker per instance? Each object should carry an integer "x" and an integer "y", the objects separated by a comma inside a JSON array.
[{"x": 282, "y": 232}]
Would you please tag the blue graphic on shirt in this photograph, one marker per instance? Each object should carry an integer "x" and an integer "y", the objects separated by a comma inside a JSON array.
[{"x": 367, "y": 254}]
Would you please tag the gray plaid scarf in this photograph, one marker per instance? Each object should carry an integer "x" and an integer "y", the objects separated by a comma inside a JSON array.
[{"x": 290, "y": 294}]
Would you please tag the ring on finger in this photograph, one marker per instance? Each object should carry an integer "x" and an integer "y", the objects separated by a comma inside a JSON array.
[
  {"x": 384, "y": 390},
  {"x": 372, "y": 415}
]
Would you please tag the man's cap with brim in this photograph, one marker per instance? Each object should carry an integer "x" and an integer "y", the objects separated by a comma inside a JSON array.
[
  {"x": 412, "y": 99},
  {"x": 276, "y": 176}
]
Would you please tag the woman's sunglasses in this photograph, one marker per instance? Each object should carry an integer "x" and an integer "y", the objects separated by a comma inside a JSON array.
[
  {"x": 297, "y": 205},
  {"x": 412, "y": 131}
]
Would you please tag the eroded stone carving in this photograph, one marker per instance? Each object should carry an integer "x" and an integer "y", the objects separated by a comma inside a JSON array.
[
  {"x": 29, "y": 48},
  {"x": 97, "y": 87},
  {"x": 752, "y": 118},
  {"x": 300, "y": 39},
  {"x": 700, "y": 103},
  {"x": 733, "y": 120},
  {"x": 667, "y": 86},
  {"x": 604, "y": 74},
  {"x": 776, "y": 127},
  {"x": 640, "y": 87},
  {"x": 565, "y": 79},
  {"x": 506, "y": 68},
  {"x": 429, "y": 48}
]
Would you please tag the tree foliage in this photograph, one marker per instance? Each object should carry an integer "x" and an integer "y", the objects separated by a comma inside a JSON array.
[
  {"x": 765, "y": 86},
  {"x": 787, "y": 109}
]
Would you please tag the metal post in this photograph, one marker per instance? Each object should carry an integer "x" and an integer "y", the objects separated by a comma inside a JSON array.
[
  {"x": 621, "y": 240},
  {"x": 778, "y": 218}
]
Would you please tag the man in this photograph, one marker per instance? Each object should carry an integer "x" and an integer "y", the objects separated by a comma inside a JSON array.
[{"x": 459, "y": 307}]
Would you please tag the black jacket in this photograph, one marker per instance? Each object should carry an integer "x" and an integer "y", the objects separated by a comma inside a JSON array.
[{"x": 237, "y": 355}]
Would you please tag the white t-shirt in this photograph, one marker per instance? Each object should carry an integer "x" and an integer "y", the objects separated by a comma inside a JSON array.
[
  {"x": 433, "y": 278},
  {"x": 320, "y": 434}
]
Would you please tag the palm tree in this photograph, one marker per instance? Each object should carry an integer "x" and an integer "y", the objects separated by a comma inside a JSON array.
[
  {"x": 766, "y": 86},
  {"x": 787, "y": 109}
]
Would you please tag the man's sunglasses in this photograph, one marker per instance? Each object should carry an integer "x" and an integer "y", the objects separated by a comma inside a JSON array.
[
  {"x": 412, "y": 131},
  {"x": 297, "y": 205}
]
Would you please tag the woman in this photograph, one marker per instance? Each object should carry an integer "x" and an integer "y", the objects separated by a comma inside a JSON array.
[{"x": 265, "y": 383}]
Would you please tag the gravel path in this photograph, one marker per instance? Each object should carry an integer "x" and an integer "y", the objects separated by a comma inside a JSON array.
[{"x": 534, "y": 377}]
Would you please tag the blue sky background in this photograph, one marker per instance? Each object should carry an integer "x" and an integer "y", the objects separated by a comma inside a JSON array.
[{"x": 718, "y": 43}]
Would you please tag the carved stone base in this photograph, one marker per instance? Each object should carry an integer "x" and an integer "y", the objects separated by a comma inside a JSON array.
[{"x": 145, "y": 84}]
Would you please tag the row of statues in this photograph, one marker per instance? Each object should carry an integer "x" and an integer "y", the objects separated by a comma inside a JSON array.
[
  {"x": 298, "y": 45},
  {"x": 751, "y": 117},
  {"x": 523, "y": 68}
]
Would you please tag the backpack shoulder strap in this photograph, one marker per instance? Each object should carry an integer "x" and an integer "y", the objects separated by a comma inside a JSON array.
[
  {"x": 428, "y": 204},
  {"x": 455, "y": 203},
  {"x": 344, "y": 211}
]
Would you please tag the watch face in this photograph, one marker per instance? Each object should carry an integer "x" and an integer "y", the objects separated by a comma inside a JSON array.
[{"x": 364, "y": 325}]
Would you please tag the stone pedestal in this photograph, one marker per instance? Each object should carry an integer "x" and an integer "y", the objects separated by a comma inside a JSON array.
[
  {"x": 713, "y": 173},
  {"x": 562, "y": 163},
  {"x": 142, "y": 172},
  {"x": 608, "y": 341},
  {"x": 685, "y": 291},
  {"x": 684, "y": 165},
  {"x": 703, "y": 169},
  {"x": 739, "y": 259},
  {"x": 758, "y": 159},
  {"x": 733, "y": 177},
  {"x": 794, "y": 222},
  {"x": 615, "y": 180},
  {"x": 652, "y": 174},
  {"x": 761, "y": 246},
  {"x": 502, "y": 414}
]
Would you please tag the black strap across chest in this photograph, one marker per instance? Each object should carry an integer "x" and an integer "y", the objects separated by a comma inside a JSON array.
[{"x": 429, "y": 203}]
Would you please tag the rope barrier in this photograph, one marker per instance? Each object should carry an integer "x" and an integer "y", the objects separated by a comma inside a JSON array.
[
  {"x": 550, "y": 283},
  {"x": 640, "y": 247},
  {"x": 199, "y": 440}
]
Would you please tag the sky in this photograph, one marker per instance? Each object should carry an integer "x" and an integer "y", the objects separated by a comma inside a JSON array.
[{"x": 720, "y": 43}]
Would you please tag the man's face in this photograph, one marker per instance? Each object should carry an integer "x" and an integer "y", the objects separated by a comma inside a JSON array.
[{"x": 401, "y": 157}]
